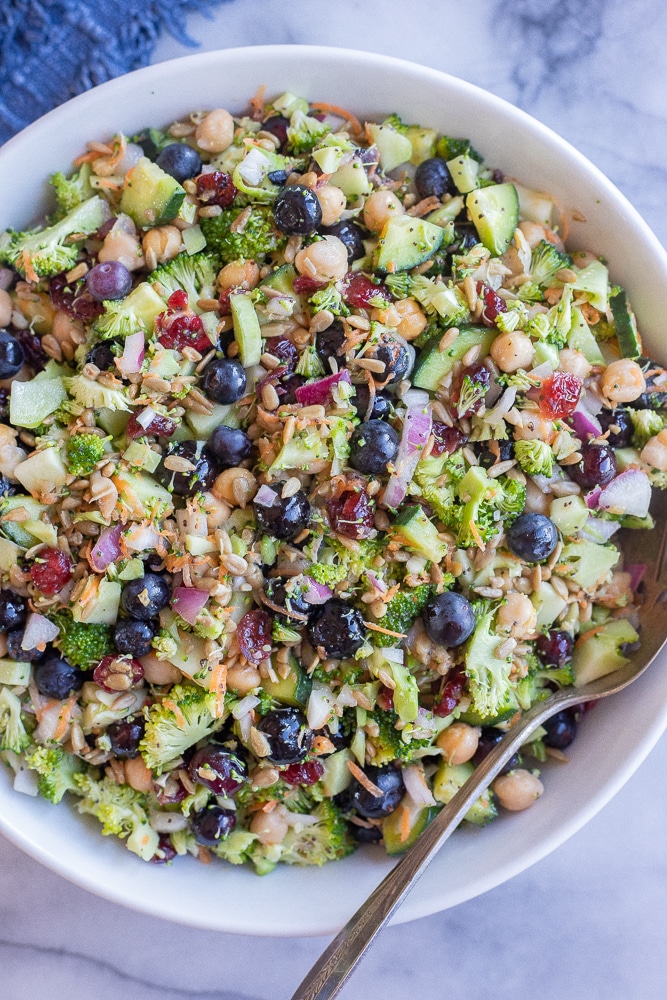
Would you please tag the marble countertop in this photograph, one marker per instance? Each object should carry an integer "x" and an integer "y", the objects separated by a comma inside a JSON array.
[{"x": 588, "y": 920}]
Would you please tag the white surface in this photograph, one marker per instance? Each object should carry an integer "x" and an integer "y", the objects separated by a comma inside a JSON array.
[{"x": 588, "y": 920}]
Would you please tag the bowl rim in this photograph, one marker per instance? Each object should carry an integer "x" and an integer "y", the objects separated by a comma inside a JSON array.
[{"x": 416, "y": 906}]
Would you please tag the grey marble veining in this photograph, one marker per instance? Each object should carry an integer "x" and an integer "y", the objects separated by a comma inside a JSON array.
[{"x": 588, "y": 921}]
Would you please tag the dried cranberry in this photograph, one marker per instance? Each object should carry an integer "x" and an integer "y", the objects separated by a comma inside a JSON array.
[
  {"x": 165, "y": 851},
  {"x": 285, "y": 351},
  {"x": 277, "y": 125},
  {"x": 118, "y": 673},
  {"x": 73, "y": 298},
  {"x": 303, "y": 285},
  {"x": 559, "y": 395},
  {"x": 446, "y": 439},
  {"x": 35, "y": 355},
  {"x": 450, "y": 694},
  {"x": 385, "y": 699},
  {"x": 287, "y": 390},
  {"x": 469, "y": 388},
  {"x": 555, "y": 648},
  {"x": 224, "y": 305},
  {"x": 493, "y": 304},
  {"x": 160, "y": 426},
  {"x": 51, "y": 571},
  {"x": 178, "y": 300},
  {"x": 184, "y": 331},
  {"x": 254, "y": 635},
  {"x": 306, "y": 773},
  {"x": 351, "y": 513},
  {"x": 362, "y": 293},
  {"x": 216, "y": 188}
]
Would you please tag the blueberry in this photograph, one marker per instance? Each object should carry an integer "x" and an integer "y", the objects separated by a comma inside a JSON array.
[
  {"x": 390, "y": 782},
  {"x": 432, "y": 177},
  {"x": 7, "y": 488},
  {"x": 561, "y": 730},
  {"x": 532, "y": 537},
  {"x": 329, "y": 342},
  {"x": 278, "y": 177},
  {"x": 56, "y": 678},
  {"x": 13, "y": 611},
  {"x": 449, "y": 619},
  {"x": 133, "y": 637},
  {"x": 372, "y": 446},
  {"x": 366, "y": 834},
  {"x": 221, "y": 771},
  {"x": 16, "y": 652},
  {"x": 397, "y": 358},
  {"x": 224, "y": 380},
  {"x": 277, "y": 125},
  {"x": 109, "y": 280},
  {"x": 12, "y": 355},
  {"x": 338, "y": 628},
  {"x": 289, "y": 386},
  {"x": 505, "y": 450},
  {"x": 212, "y": 824},
  {"x": 145, "y": 597},
  {"x": 206, "y": 469},
  {"x": 297, "y": 210},
  {"x": 287, "y": 733},
  {"x": 489, "y": 738},
  {"x": 382, "y": 403},
  {"x": 102, "y": 356},
  {"x": 287, "y": 593},
  {"x": 180, "y": 161},
  {"x": 596, "y": 468},
  {"x": 286, "y": 516},
  {"x": 619, "y": 425},
  {"x": 350, "y": 235},
  {"x": 230, "y": 445},
  {"x": 125, "y": 736}
]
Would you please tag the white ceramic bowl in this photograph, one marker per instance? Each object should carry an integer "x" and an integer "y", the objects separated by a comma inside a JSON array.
[{"x": 612, "y": 742}]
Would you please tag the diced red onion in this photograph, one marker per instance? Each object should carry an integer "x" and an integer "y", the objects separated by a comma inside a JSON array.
[
  {"x": 265, "y": 496},
  {"x": 598, "y": 530},
  {"x": 375, "y": 581},
  {"x": 585, "y": 424},
  {"x": 319, "y": 392},
  {"x": 345, "y": 698},
  {"x": 106, "y": 549},
  {"x": 320, "y": 705},
  {"x": 636, "y": 571},
  {"x": 245, "y": 705},
  {"x": 627, "y": 493},
  {"x": 417, "y": 425},
  {"x": 25, "y": 781},
  {"x": 142, "y": 537},
  {"x": 414, "y": 398},
  {"x": 130, "y": 158},
  {"x": 393, "y": 654},
  {"x": 542, "y": 371},
  {"x": 591, "y": 402},
  {"x": 38, "y": 631},
  {"x": 254, "y": 166},
  {"x": 133, "y": 354},
  {"x": 416, "y": 786},
  {"x": 592, "y": 499},
  {"x": 168, "y": 822},
  {"x": 317, "y": 593},
  {"x": 188, "y": 602}
]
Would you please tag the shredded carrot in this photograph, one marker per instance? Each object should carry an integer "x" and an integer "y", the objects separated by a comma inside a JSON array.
[
  {"x": 385, "y": 631},
  {"x": 64, "y": 718},
  {"x": 589, "y": 634},
  {"x": 87, "y": 595},
  {"x": 364, "y": 780},
  {"x": 30, "y": 272},
  {"x": 106, "y": 182},
  {"x": 92, "y": 154},
  {"x": 334, "y": 109},
  {"x": 218, "y": 686},
  {"x": 476, "y": 535},
  {"x": 176, "y": 710},
  {"x": 404, "y": 824},
  {"x": 257, "y": 103}
]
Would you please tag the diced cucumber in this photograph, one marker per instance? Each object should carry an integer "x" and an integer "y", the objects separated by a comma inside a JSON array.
[
  {"x": 282, "y": 279},
  {"x": 353, "y": 180},
  {"x": 291, "y": 690},
  {"x": 626, "y": 457},
  {"x": 247, "y": 331},
  {"x": 593, "y": 281},
  {"x": 32, "y": 402},
  {"x": 193, "y": 240},
  {"x": 548, "y": 604},
  {"x": 464, "y": 171},
  {"x": 580, "y": 338},
  {"x": 400, "y": 832},
  {"x": 203, "y": 424},
  {"x": 142, "y": 456},
  {"x": 190, "y": 657},
  {"x": 416, "y": 532},
  {"x": 103, "y": 608},
  {"x": 597, "y": 652},
  {"x": 494, "y": 211},
  {"x": 150, "y": 196},
  {"x": 113, "y": 422},
  {"x": 43, "y": 472},
  {"x": 449, "y": 778},
  {"x": 337, "y": 775},
  {"x": 626, "y": 326},
  {"x": 9, "y": 554},
  {"x": 406, "y": 242},
  {"x": 12, "y": 672},
  {"x": 423, "y": 143},
  {"x": 15, "y": 530},
  {"x": 569, "y": 514},
  {"x": 545, "y": 352},
  {"x": 393, "y": 147},
  {"x": 447, "y": 212},
  {"x": 433, "y": 364},
  {"x": 588, "y": 563},
  {"x": 143, "y": 489},
  {"x": 146, "y": 304},
  {"x": 535, "y": 206}
]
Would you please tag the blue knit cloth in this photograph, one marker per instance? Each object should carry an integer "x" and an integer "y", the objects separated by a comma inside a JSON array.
[{"x": 54, "y": 49}]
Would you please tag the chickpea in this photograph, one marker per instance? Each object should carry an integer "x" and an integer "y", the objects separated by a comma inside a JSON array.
[
  {"x": 325, "y": 260},
  {"x": 517, "y": 616},
  {"x": 160, "y": 244},
  {"x": 459, "y": 742},
  {"x": 533, "y": 232},
  {"x": 518, "y": 789},
  {"x": 413, "y": 321},
  {"x": 574, "y": 362},
  {"x": 239, "y": 274},
  {"x": 137, "y": 775},
  {"x": 512, "y": 351},
  {"x": 654, "y": 452},
  {"x": 216, "y": 131},
  {"x": 122, "y": 246},
  {"x": 537, "y": 502},
  {"x": 622, "y": 381},
  {"x": 217, "y": 511},
  {"x": 159, "y": 671},
  {"x": 332, "y": 202},
  {"x": 65, "y": 329},
  {"x": 5, "y": 308},
  {"x": 534, "y": 428},
  {"x": 380, "y": 207},
  {"x": 236, "y": 486},
  {"x": 243, "y": 679},
  {"x": 270, "y": 827}
]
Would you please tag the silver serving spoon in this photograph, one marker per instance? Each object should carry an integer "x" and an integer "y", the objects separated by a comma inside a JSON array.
[{"x": 332, "y": 969}]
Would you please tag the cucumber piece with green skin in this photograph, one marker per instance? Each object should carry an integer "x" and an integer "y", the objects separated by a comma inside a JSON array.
[
  {"x": 292, "y": 690},
  {"x": 597, "y": 652},
  {"x": 14, "y": 530},
  {"x": 588, "y": 563},
  {"x": 337, "y": 775},
  {"x": 449, "y": 778},
  {"x": 203, "y": 424},
  {"x": 464, "y": 171},
  {"x": 103, "y": 608},
  {"x": 416, "y": 532},
  {"x": 146, "y": 305},
  {"x": 247, "y": 331},
  {"x": 393, "y": 147},
  {"x": 282, "y": 279},
  {"x": 406, "y": 242},
  {"x": 423, "y": 143},
  {"x": 626, "y": 326},
  {"x": 395, "y": 825},
  {"x": 32, "y": 402},
  {"x": 548, "y": 605},
  {"x": 581, "y": 339},
  {"x": 150, "y": 196},
  {"x": 433, "y": 364},
  {"x": 353, "y": 181},
  {"x": 12, "y": 672},
  {"x": 494, "y": 211}
]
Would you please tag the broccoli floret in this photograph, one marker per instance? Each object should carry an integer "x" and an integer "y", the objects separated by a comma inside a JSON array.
[
  {"x": 335, "y": 563},
  {"x": 71, "y": 191},
  {"x": 396, "y": 123},
  {"x": 164, "y": 645},
  {"x": 176, "y": 723},
  {"x": 88, "y": 394},
  {"x": 327, "y": 840},
  {"x": 448, "y": 148},
  {"x": 121, "y": 811},
  {"x": 389, "y": 744},
  {"x": 546, "y": 261},
  {"x": 438, "y": 298},
  {"x": 539, "y": 681},
  {"x": 56, "y": 769},
  {"x": 329, "y": 298},
  {"x": 645, "y": 424},
  {"x": 46, "y": 252},
  {"x": 534, "y": 457},
  {"x": 399, "y": 284},
  {"x": 488, "y": 674},
  {"x": 13, "y": 735},
  {"x": 83, "y": 645},
  {"x": 194, "y": 274},
  {"x": 560, "y": 319},
  {"x": 258, "y": 237},
  {"x": 83, "y": 453},
  {"x": 512, "y": 500},
  {"x": 480, "y": 516},
  {"x": 304, "y": 132},
  {"x": 402, "y": 610}
]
